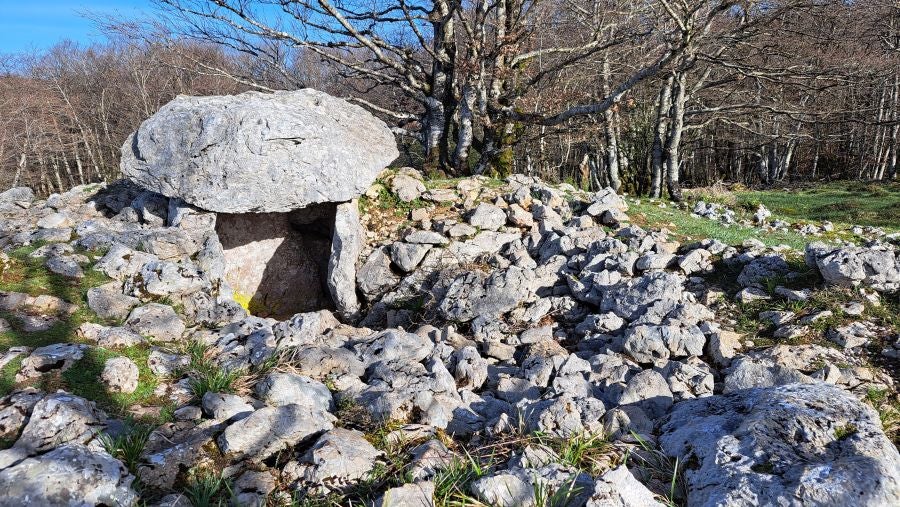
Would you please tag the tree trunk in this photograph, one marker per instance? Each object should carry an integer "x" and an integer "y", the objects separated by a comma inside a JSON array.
[
  {"x": 673, "y": 143},
  {"x": 657, "y": 156}
]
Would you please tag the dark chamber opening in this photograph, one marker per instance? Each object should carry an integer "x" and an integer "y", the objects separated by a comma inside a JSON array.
[{"x": 277, "y": 263}]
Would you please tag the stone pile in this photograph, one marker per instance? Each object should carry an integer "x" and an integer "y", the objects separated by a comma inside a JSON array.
[{"x": 492, "y": 311}]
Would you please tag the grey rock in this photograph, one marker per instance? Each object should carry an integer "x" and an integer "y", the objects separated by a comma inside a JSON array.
[
  {"x": 631, "y": 298},
  {"x": 271, "y": 429},
  {"x": 429, "y": 458},
  {"x": 407, "y": 188},
  {"x": 229, "y": 154},
  {"x": 877, "y": 266},
  {"x": 65, "y": 265},
  {"x": 339, "y": 457},
  {"x": 108, "y": 302},
  {"x": 279, "y": 389},
  {"x": 70, "y": 475},
  {"x": 165, "y": 364},
  {"x": 407, "y": 256},
  {"x": 649, "y": 391},
  {"x": 59, "y": 356},
  {"x": 471, "y": 369},
  {"x": 375, "y": 277},
  {"x": 564, "y": 416},
  {"x": 120, "y": 375},
  {"x": 801, "y": 444},
  {"x": 58, "y": 419},
  {"x": 222, "y": 406},
  {"x": 426, "y": 238},
  {"x": 16, "y": 198},
  {"x": 488, "y": 216},
  {"x": 474, "y": 294},
  {"x": 508, "y": 488},
  {"x": 619, "y": 488},
  {"x": 156, "y": 321},
  {"x": 757, "y": 271},
  {"x": 850, "y": 336},
  {"x": 417, "y": 494},
  {"x": 393, "y": 344},
  {"x": 346, "y": 244},
  {"x": 746, "y": 372}
]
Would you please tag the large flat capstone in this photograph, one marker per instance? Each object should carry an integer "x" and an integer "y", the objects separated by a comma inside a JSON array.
[{"x": 258, "y": 152}]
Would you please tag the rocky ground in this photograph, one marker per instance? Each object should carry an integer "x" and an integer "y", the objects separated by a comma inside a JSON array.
[{"x": 516, "y": 343}]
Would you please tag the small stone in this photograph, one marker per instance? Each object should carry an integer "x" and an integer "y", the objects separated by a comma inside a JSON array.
[
  {"x": 851, "y": 336},
  {"x": 488, "y": 216},
  {"x": 120, "y": 375},
  {"x": 417, "y": 494},
  {"x": 407, "y": 188},
  {"x": 752, "y": 294},
  {"x": 223, "y": 406},
  {"x": 426, "y": 238},
  {"x": 853, "y": 308},
  {"x": 108, "y": 302},
  {"x": 156, "y": 321},
  {"x": 791, "y": 332}
]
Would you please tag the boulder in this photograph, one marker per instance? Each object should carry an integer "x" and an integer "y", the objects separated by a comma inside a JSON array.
[
  {"x": 877, "y": 266},
  {"x": 259, "y": 152},
  {"x": 798, "y": 444},
  {"x": 70, "y": 475}
]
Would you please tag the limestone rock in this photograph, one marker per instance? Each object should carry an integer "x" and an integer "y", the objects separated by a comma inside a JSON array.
[
  {"x": 70, "y": 475},
  {"x": 157, "y": 321},
  {"x": 120, "y": 375},
  {"x": 271, "y": 429},
  {"x": 258, "y": 152},
  {"x": 800, "y": 444}
]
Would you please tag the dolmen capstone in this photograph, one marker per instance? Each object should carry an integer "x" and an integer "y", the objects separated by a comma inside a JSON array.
[{"x": 282, "y": 171}]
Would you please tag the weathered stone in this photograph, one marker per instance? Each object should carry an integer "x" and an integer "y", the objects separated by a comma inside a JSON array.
[
  {"x": 407, "y": 188},
  {"x": 278, "y": 389},
  {"x": 407, "y": 256},
  {"x": 488, "y": 216},
  {"x": 339, "y": 457},
  {"x": 801, "y": 444},
  {"x": 417, "y": 494},
  {"x": 120, "y": 375},
  {"x": 108, "y": 302},
  {"x": 70, "y": 475},
  {"x": 271, "y": 429},
  {"x": 346, "y": 243},
  {"x": 59, "y": 356},
  {"x": 619, "y": 488},
  {"x": 157, "y": 321},
  {"x": 222, "y": 406},
  {"x": 259, "y": 152}
]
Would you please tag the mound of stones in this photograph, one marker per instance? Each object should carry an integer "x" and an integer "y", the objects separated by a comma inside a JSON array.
[{"x": 491, "y": 312}]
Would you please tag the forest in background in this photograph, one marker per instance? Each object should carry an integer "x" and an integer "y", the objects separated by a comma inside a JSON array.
[{"x": 645, "y": 96}]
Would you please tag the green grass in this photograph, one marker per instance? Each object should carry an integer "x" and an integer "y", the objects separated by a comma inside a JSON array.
[
  {"x": 83, "y": 379},
  {"x": 687, "y": 227},
  {"x": 850, "y": 203},
  {"x": 208, "y": 489},
  {"x": 206, "y": 376},
  {"x": 128, "y": 446}
]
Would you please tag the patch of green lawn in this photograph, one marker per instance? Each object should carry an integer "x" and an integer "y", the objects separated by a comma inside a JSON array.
[
  {"x": 850, "y": 203},
  {"x": 687, "y": 227}
]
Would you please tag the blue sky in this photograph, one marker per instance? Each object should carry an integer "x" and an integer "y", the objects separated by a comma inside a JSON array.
[{"x": 39, "y": 24}]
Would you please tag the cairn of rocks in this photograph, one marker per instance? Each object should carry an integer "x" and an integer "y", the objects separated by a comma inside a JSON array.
[{"x": 491, "y": 310}]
